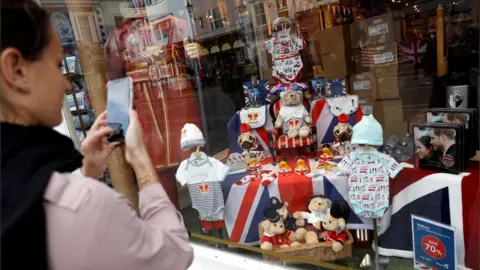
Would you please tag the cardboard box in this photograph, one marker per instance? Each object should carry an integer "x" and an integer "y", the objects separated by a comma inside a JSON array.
[
  {"x": 361, "y": 64},
  {"x": 338, "y": 64},
  {"x": 387, "y": 88},
  {"x": 311, "y": 22},
  {"x": 335, "y": 39},
  {"x": 367, "y": 105},
  {"x": 364, "y": 85},
  {"x": 318, "y": 71},
  {"x": 381, "y": 29},
  {"x": 267, "y": 74},
  {"x": 357, "y": 34},
  {"x": 388, "y": 111},
  {"x": 383, "y": 56}
]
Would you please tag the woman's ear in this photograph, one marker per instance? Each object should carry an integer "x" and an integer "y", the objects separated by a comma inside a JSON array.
[
  {"x": 342, "y": 224},
  {"x": 329, "y": 203}
]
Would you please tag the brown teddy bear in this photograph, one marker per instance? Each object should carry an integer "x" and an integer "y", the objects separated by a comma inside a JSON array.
[
  {"x": 318, "y": 207},
  {"x": 275, "y": 235},
  {"x": 293, "y": 117},
  {"x": 335, "y": 225}
]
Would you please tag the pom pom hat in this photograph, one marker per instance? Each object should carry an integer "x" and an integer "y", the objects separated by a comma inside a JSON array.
[
  {"x": 244, "y": 128},
  {"x": 191, "y": 137},
  {"x": 368, "y": 131}
]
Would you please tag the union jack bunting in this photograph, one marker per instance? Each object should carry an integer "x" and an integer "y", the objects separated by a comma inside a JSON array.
[
  {"x": 412, "y": 52},
  {"x": 298, "y": 86}
]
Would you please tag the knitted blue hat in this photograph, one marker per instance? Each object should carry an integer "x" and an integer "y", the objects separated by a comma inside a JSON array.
[{"x": 368, "y": 131}]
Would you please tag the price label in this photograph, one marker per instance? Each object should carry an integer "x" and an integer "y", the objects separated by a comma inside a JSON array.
[
  {"x": 383, "y": 58},
  {"x": 379, "y": 29},
  {"x": 433, "y": 244},
  {"x": 433, "y": 247},
  {"x": 361, "y": 85}
]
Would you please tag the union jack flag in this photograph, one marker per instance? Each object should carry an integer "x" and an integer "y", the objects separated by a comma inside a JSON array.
[
  {"x": 336, "y": 87},
  {"x": 411, "y": 53},
  {"x": 454, "y": 200}
]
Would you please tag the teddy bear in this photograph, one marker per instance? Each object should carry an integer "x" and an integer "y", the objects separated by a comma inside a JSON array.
[
  {"x": 246, "y": 140},
  {"x": 335, "y": 225},
  {"x": 318, "y": 207},
  {"x": 293, "y": 117},
  {"x": 275, "y": 235},
  {"x": 289, "y": 221},
  {"x": 343, "y": 135}
]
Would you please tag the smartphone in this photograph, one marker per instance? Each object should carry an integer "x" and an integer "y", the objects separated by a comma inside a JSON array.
[{"x": 119, "y": 102}]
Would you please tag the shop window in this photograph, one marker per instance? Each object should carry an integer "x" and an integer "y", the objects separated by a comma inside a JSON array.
[
  {"x": 348, "y": 61},
  {"x": 260, "y": 16},
  {"x": 216, "y": 18},
  {"x": 282, "y": 4}
]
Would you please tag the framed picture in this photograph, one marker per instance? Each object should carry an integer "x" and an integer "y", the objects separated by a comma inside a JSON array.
[
  {"x": 439, "y": 147},
  {"x": 468, "y": 117},
  {"x": 318, "y": 88}
]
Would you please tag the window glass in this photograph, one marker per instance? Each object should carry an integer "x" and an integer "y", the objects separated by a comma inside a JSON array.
[{"x": 256, "y": 114}]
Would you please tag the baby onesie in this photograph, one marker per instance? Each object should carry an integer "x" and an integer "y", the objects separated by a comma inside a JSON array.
[
  {"x": 287, "y": 62},
  {"x": 369, "y": 173},
  {"x": 203, "y": 178}
]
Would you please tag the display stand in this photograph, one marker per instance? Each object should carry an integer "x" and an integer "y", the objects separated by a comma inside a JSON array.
[
  {"x": 367, "y": 260},
  {"x": 375, "y": 240}
]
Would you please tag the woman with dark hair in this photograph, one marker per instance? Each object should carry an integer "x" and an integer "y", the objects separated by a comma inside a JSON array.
[
  {"x": 51, "y": 217},
  {"x": 424, "y": 150}
]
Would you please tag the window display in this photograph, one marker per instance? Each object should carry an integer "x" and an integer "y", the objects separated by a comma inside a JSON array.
[{"x": 308, "y": 129}]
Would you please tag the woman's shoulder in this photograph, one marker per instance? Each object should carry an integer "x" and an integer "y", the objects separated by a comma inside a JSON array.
[{"x": 70, "y": 190}]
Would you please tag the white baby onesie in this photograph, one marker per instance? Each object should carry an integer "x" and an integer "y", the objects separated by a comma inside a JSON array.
[
  {"x": 369, "y": 173},
  {"x": 203, "y": 178},
  {"x": 287, "y": 62}
]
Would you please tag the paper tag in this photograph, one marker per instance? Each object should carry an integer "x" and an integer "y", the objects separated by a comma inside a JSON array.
[
  {"x": 383, "y": 58},
  {"x": 367, "y": 109},
  {"x": 380, "y": 29},
  {"x": 361, "y": 85}
]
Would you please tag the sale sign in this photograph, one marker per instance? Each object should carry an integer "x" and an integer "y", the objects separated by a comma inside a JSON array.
[{"x": 433, "y": 244}]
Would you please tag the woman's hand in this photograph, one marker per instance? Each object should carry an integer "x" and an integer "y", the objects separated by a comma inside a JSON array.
[
  {"x": 137, "y": 155},
  {"x": 96, "y": 149},
  {"x": 134, "y": 144}
]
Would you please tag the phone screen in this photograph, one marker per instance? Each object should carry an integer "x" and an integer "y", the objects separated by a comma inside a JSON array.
[{"x": 119, "y": 102}]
